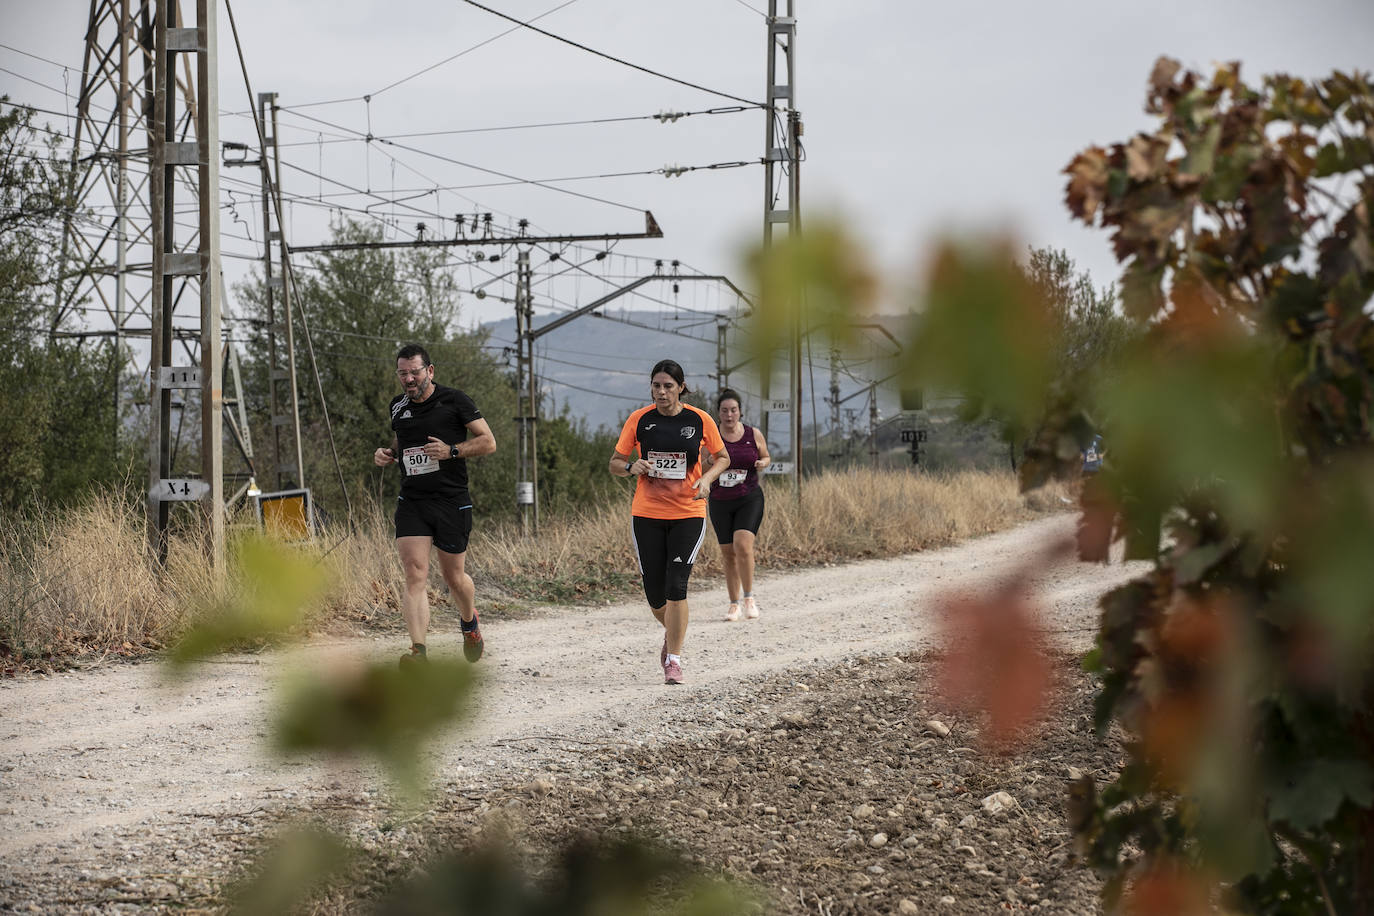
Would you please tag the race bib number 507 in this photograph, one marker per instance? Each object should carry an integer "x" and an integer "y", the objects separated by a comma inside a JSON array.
[{"x": 415, "y": 461}]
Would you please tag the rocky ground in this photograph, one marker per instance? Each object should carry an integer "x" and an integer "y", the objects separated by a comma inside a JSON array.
[{"x": 828, "y": 776}]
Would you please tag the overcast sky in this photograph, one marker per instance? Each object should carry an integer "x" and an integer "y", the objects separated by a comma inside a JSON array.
[{"x": 920, "y": 118}]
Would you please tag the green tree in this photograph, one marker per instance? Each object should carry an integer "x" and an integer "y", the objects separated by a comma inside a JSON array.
[
  {"x": 59, "y": 433},
  {"x": 1087, "y": 333}
]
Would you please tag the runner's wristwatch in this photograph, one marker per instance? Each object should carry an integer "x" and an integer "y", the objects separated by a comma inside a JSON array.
[{"x": 453, "y": 450}]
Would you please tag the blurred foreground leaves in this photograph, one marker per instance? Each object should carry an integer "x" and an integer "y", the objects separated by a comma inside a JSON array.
[
  {"x": 995, "y": 660},
  {"x": 377, "y": 709},
  {"x": 351, "y": 707},
  {"x": 270, "y": 589},
  {"x": 341, "y": 707},
  {"x": 296, "y": 863},
  {"x": 820, "y": 278},
  {"x": 986, "y": 333},
  {"x": 1239, "y": 461},
  {"x": 589, "y": 877},
  {"x": 1238, "y": 420}
]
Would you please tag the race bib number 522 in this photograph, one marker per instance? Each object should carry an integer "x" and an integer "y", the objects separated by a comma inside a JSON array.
[
  {"x": 668, "y": 465},
  {"x": 415, "y": 461}
]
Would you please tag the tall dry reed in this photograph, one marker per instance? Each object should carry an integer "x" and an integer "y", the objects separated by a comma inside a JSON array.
[{"x": 80, "y": 579}]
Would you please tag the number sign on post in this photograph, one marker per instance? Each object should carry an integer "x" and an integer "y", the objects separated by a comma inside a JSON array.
[
  {"x": 179, "y": 377},
  {"x": 180, "y": 490}
]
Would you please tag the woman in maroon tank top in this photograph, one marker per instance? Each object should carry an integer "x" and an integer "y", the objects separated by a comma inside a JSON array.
[{"x": 736, "y": 505}]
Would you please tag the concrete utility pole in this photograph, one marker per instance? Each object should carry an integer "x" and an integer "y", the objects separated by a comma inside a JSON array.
[
  {"x": 200, "y": 265},
  {"x": 722, "y": 371},
  {"x": 835, "y": 447},
  {"x": 782, "y": 149},
  {"x": 526, "y": 402},
  {"x": 288, "y": 459},
  {"x": 873, "y": 424}
]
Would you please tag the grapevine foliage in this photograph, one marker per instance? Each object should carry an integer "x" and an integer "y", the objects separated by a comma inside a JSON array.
[{"x": 1239, "y": 461}]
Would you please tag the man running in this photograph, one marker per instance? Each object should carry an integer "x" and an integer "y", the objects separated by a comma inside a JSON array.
[{"x": 430, "y": 425}]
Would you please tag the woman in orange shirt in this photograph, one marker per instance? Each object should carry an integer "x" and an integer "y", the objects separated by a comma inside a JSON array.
[{"x": 669, "y": 508}]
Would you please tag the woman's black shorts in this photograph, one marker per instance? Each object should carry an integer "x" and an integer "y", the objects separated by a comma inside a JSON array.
[
  {"x": 731, "y": 515},
  {"x": 666, "y": 549}
]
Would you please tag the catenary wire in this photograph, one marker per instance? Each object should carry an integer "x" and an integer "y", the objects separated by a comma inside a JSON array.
[
  {"x": 480, "y": 44},
  {"x": 479, "y": 168},
  {"x": 610, "y": 57},
  {"x": 663, "y": 117}
]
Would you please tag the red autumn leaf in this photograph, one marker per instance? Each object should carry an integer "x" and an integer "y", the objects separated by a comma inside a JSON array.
[
  {"x": 1087, "y": 183},
  {"x": 995, "y": 662},
  {"x": 1168, "y": 890}
]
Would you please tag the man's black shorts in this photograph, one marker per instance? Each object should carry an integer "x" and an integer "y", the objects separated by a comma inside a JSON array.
[{"x": 447, "y": 521}]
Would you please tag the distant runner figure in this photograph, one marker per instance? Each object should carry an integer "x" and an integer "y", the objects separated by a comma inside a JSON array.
[
  {"x": 737, "y": 503},
  {"x": 430, "y": 425},
  {"x": 669, "y": 508}
]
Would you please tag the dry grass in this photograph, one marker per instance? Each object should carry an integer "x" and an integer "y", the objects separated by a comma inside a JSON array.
[{"x": 82, "y": 582}]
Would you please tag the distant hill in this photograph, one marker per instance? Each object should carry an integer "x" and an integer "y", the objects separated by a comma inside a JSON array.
[{"x": 598, "y": 367}]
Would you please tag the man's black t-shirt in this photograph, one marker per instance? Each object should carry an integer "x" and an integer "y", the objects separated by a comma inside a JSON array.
[{"x": 445, "y": 415}]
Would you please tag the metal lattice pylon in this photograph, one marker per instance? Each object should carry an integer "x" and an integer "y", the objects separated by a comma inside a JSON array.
[
  {"x": 107, "y": 244},
  {"x": 147, "y": 125}
]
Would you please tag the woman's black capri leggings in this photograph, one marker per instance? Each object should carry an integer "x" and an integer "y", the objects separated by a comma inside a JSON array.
[
  {"x": 731, "y": 515},
  {"x": 666, "y": 549}
]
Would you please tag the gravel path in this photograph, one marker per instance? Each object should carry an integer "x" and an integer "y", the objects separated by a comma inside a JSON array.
[{"x": 98, "y": 764}]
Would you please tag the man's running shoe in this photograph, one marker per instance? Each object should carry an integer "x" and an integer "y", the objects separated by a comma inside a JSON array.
[
  {"x": 472, "y": 640},
  {"x": 672, "y": 673},
  {"x": 413, "y": 660},
  {"x": 751, "y": 610},
  {"x": 733, "y": 613}
]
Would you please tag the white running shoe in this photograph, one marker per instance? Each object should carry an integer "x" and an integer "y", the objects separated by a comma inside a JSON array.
[
  {"x": 733, "y": 614},
  {"x": 751, "y": 610}
]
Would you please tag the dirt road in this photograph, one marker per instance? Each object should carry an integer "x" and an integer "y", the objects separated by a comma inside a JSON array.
[{"x": 92, "y": 761}]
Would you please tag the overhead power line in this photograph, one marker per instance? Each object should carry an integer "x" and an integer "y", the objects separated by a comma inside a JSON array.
[
  {"x": 752, "y": 9},
  {"x": 46, "y": 60},
  {"x": 468, "y": 50},
  {"x": 480, "y": 44},
  {"x": 662, "y": 117},
  {"x": 28, "y": 79},
  {"x": 513, "y": 178},
  {"x": 611, "y": 57}
]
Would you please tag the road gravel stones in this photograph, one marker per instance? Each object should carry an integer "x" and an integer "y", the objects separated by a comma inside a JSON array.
[{"x": 843, "y": 798}]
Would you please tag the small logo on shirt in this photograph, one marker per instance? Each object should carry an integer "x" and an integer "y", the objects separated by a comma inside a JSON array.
[
  {"x": 677, "y": 559},
  {"x": 649, "y": 426},
  {"x": 405, "y": 416},
  {"x": 688, "y": 432}
]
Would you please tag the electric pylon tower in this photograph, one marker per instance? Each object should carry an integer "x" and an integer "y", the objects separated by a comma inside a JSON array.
[
  {"x": 109, "y": 253},
  {"x": 147, "y": 126},
  {"x": 781, "y": 199}
]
